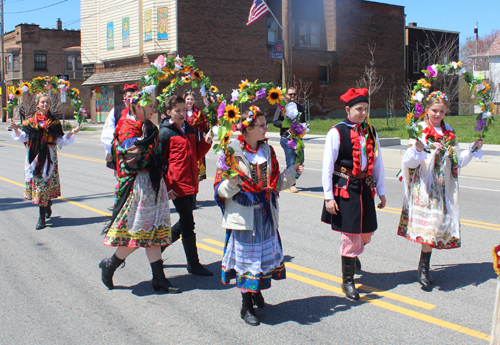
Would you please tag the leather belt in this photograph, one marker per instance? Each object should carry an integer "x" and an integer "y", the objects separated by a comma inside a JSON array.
[{"x": 346, "y": 171}]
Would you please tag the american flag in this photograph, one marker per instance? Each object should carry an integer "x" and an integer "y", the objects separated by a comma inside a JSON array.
[{"x": 258, "y": 9}]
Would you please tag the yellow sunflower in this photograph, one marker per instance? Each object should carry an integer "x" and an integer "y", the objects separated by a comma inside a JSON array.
[
  {"x": 421, "y": 116},
  {"x": 197, "y": 74},
  {"x": 274, "y": 96},
  {"x": 173, "y": 81},
  {"x": 18, "y": 92},
  {"x": 25, "y": 84},
  {"x": 165, "y": 89},
  {"x": 186, "y": 69},
  {"x": 243, "y": 84},
  {"x": 424, "y": 83},
  {"x": 231, "y": 114},
  {"x": 234, "y": 163},
  {"x": 409, "y": 117},
  {"x": 75, "y": 91},
  {"x": 186, "y": 79},
  {"x": 486, "y": 87},
  {"x": 214, "y": 89},
  {"x": 225, "y": 140}
]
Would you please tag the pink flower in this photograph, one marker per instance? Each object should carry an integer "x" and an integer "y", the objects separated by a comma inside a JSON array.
[
  {"x": 48, "y": 86},
  {"x": 418, "y": 110},
  {"x": 220, "y": 111},
  {"x": 160, "y": 61},
  {"x": 432, "y": 71},
  {"x": 292, "y": 144},
  {"x": 11, "y": 96}
]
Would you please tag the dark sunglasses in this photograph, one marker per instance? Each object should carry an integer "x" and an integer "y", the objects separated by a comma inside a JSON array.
[{"x": 292, "y": 94}]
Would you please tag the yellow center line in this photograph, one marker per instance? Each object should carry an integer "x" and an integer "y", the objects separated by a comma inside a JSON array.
[
  {"x": 336, "y": 279},
  {"x": 365, "y": 298},
  {"x": 387, "y": 209}
]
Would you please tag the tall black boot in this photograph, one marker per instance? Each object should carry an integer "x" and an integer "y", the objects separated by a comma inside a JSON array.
[
  {"x": 176, "y": 234},
  {"x": 424, "y": 277},
  {"x": 108, "y": 267},
  {"x": 159, "y": 280},
  {"x": 247, "y": 312},
  {"x": 348, "y": 287},
  {"x": 41, "y": 218},
  {"x": 358, "y": 264},
  {"x": 193, "y": 262},
  {"x": 258, "y": 300},
  {"x": 48, "y": 211}
]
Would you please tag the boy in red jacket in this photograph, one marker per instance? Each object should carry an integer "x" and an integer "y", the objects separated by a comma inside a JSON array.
[{"x": 181, "y": 150}]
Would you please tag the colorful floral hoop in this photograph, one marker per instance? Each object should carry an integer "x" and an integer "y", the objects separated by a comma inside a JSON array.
[
  {"x": 418, "y": 99},
  {"x": 45, "y": 85}
]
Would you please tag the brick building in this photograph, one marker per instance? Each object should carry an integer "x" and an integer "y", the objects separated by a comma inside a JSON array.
[
  {"x": 31, "y": 51},
  {"x": 330, "y": 45}
]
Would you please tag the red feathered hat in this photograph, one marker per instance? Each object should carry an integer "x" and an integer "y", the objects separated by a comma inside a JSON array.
[
  {"x": 130, "y": 88},
  {"x": 354, "y": 96}
]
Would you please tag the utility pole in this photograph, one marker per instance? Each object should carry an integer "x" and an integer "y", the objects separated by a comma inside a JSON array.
[
  {"x": 4, "y": 89},
  {"x": 286, "y": 18},
  {"x": 476, "y": 29}
]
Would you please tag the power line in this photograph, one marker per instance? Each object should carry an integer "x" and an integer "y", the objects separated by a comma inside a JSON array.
[{"x": 37, "y": 9}]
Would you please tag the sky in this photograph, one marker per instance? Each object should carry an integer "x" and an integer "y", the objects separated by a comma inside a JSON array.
[{"x": 452, "y": 15}]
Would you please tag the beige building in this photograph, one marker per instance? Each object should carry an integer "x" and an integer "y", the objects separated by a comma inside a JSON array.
[{"x": 119, "y": 39}]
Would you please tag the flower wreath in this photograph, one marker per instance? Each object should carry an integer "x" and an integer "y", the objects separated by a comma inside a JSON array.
[
  {"x": 418, "y": 100},
  {"x": 183, "y": 71},
  {"x": 43, "y": 86}
]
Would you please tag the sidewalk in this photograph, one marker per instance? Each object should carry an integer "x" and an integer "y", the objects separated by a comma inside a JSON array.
[{"x": 392, "y": 150}]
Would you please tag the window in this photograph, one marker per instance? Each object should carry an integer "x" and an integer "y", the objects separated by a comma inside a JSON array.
[
  {"x": 426, "y": 44},
  {"x": 324, "y": 74},
  {"x": 272, "y": 30},
  {"x": 445, "y": 59},
  {"x": 12, "y": 62},
  {"x": 416, "y": 70},
  {"x": 73, "y": 62},
  {"x": 309, "y": 34},
  {"x": 40, "y": 62}
]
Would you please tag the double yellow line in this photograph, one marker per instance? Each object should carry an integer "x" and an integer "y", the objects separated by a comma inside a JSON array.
[{"x": 364, "y": 297}]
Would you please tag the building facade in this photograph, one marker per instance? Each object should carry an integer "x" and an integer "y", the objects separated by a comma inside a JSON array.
[
  {"x": 31, "y": 51},
  {"x": 490, "y": 67},
  {"x": 330, "y": 40}
]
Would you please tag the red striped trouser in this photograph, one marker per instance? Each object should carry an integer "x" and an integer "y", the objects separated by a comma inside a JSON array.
[{"x": 354, "y": 245}]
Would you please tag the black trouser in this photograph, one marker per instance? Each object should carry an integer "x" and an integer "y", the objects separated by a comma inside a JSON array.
[{"x": 185, "y": 226}]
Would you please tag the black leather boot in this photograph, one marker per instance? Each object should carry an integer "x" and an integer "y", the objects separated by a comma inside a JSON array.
[
  {"x": 258, "y": 300},
  {"x": 108, "y": 267},
  {"x": 247, "y": 312},
  {"x": 348, "y": 287},
  {"x": 48, "y": 211},
  {"x": 176, "y": 234},
  {"x": 358, "y": 264},
  {"x": 193, "y": 262},
  {"x": 424, "y": 277},
  {"x": 159, "y": 280},
  {"x": 41, "y": 219}
]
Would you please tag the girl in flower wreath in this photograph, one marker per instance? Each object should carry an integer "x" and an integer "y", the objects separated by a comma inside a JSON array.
[
  {"x": 252, "y": 251},
  {"x": 141, "y": 215},
  {"x": 42, "y": 133},
  {"x": 353, "y": 172},
  {"x": 198, "y": 120},
  {"x": 430, "y": 166}
]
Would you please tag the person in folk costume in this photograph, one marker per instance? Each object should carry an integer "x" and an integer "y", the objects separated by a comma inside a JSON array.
[
  {"x": 180, "y": 152},
  {"x": 430, "y": 213},
  {"x": 114, "y": 116},
  {"x": 141, "y": 215},
  {"x": 41, "y": 133},
  {"x": 198, "y": 121},
  {"x": 353, "y": 172},
  {"x": 252, "y": 251}
]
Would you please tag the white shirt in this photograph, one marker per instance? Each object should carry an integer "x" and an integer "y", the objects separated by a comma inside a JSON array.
[
  {"x": 108, "y": 131},
  {"x": 330, "y": 155}
]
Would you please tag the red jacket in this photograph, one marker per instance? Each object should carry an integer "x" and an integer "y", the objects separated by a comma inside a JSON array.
[{"x": 181, "y": 151}]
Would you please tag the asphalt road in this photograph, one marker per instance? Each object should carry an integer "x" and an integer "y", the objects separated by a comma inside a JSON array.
[{"x": 51, "y": 292}]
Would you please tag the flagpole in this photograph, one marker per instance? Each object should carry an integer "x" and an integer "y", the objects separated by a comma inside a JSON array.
[
  {"x": 286, "y": 10},
  {"x": 276, "y": 19}
]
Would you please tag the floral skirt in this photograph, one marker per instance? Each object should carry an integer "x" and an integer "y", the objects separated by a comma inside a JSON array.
[
  {"x": 40, "y": 190},
  {"x": 253, "y": 257},
  {"x": 427, "y": 220},
  {"x": 144, "y": 219}
]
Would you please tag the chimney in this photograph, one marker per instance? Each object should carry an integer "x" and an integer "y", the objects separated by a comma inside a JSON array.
[
  {"x": 412, "y": 24},
  {"x": 59, "y": 24}
]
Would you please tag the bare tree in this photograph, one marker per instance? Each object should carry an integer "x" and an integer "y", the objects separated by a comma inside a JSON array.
[
  {"x": 392, "y": 94},
  {"x": 468, "y": 48},
  {"x": 304, "y": 90},
  {"x": 370, "y": 78}
]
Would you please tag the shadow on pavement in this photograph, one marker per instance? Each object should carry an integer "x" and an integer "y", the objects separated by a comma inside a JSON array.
[
  {"x": 17, "y": 203},
  {"x": 304, "y": 311},
  {"x": 310, "y": 189},
  {"x": 445, "y": 277},
  {"x": 59, "y": 222}
]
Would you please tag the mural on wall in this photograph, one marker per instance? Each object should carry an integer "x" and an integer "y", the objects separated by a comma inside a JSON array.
[
  {"x": 104, "y": 101},
  {"x": 148, "y": 26},
  {"x": 162, "y": 23},
  {"x": 110, "y": 36},
  {"x": 126, "y": 32}
]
